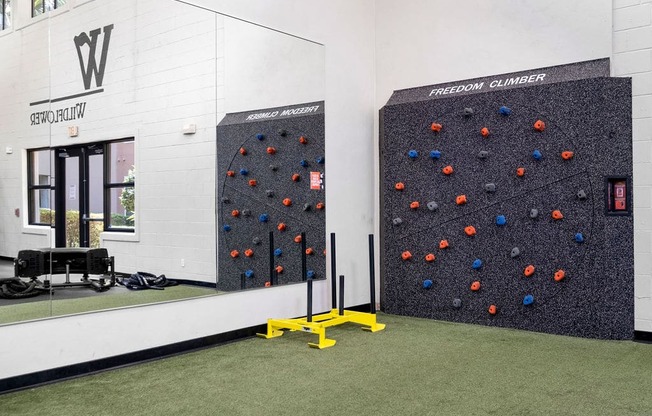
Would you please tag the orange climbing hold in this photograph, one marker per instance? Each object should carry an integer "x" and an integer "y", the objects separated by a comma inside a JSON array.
[
  {"x": 435, "y": 127},
  {"x": 297, "y": 239},
  {"x": 475, "y": 286},
  {"x": 296, "y": 177},
  {"x": 287, "y": 202},
  {"x": 235, "y": 253},
  {"x": 235, "y": 213},
  {"x": 484, "y": 132},
  {"x": 460, "y": 200},
  {"x": 539, "y": 125},
  {"x": 279, "y": 269},
  {"x": 557, "y": 215},
  {"x": 529, "y": 271},
  {"x": 253, "y": 182},
  {"x": 268, "y": 284},
  {"x": 470, "y": 230},
  {"x": 567, "y": 155},
  {"x": 310, "y": 251},
  {"x": 320, "y": 205},
  {"x": 447, "y": 170},
  {"x": 230, "y": 173},
  {"x": 399, "y": 186},
  {"x": 271, "y": 150},
  {"x": 243, "y": 151},
  {"x": 303, "y": 140},
  {"x": 406, "y": 255},
  {"x": 430, "y": 257},
  {"x": 414, "y": 204},
  {"x": 559, "y": 275},
  {"x": 493, "y": 309},
  {"x": 443, "y": 244},
  {"x": 520, "y": 172},
  {"x": 249, "y": 252},
  {"x": 281, "y": 226}
]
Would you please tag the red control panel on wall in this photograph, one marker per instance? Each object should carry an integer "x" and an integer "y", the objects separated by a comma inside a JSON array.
[{"x": 617, "y": 196}]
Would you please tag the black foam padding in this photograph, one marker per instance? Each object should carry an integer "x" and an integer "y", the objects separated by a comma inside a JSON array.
[
  {"x": 590, "y": 117},
  {"x": 282, "y": 134}
]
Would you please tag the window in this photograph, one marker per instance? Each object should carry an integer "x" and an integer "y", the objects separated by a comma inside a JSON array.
[
  {"x": 40, "y": 191},
  {"x": 5, "y": 14},
  {"x": 42, "y": 6},
  {"x": 119, "y": 188}
]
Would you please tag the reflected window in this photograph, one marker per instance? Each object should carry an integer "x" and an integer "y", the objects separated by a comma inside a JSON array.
[
  {"x": 39, "y": 186},
  {"x": 120, "y": 191},
  {"x": 42, "y": 6},
  {"x": 5, "y": 14}
]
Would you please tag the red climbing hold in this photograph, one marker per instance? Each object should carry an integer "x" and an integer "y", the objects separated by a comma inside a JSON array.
[
  {"x": 268, "y": 284},
  {"x": 271, "y": 150},
  {"x": 281, "y": 226},
  {"x": 414, "y": 204},
  {"x": 520, "y": 172},
  {"x": 475, "y": 286},
  {"x": 230, "y": 173},
  {"x": 539, "y": 125},
  {"x": 303, "y": 140},
  {"x": 493, "y": 309},
  {"x": 430, "y": 257},
  {"x": 287, "y": 202},
  {"x": 320, "y": 205},
  {"x": 249, "y": 252},
  {"x": 529, "y": 271},
  {"x": 567, "y": 155},
  {"x": 559, "y": 275},
  {"x": 406, "y": 255},
  {"x": 253, "y": 182},
  {"x": 557, "y": 215},
  {"x": 297, "y": 239},
  {"x": 310, "y": 251},
  {"x": 243, "y": 151},
  {"x": 399, "y": 186},
  {"x": 235, "y": 213},
  {"x": 470, "y": 230},
  {"x": 443, "y": 244},
  {"x": 447, "y": 170},
  {"x": 435, "y": 127},
  {"x": 484, "y": 132},
  {"x": 279, "y": 269},
  {"x": 235, "y": 253},
  {"x": 460, "y": 200},
  {"x": 296, "y": 177}
]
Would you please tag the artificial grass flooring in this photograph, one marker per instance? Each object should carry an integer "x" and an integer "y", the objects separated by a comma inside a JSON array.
[
  {"x": 413, "y": 367},
  {"x": 106, "y": 300}
]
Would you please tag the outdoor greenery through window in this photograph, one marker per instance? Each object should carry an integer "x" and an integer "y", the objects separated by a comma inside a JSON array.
[
  {"x": 40, "y": 191},
  {"x": 42, "y": 6},
  {"x": 5, "y": 14},
  {"x": 120, "y": 186}
]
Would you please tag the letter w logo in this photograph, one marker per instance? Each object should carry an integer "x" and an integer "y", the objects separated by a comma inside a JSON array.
[{"x": 91, "y": 66}]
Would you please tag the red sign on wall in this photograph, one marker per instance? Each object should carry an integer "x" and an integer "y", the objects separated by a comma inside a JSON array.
[{"x": 316, "y": 181}]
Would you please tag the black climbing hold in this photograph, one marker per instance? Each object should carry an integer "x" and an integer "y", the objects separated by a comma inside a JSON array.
[
  {"x": 226, "y": 200},
  {"x": 468, "y": 111},
  {"x": 534, "y": 213},
  {"x": 581, "y": 195},
  {"x": 457, "y": 303},
  {"x": 397, "y": 221},
  {"x": 483, "y": 154},
  {"x": 432, "y": 206},
  {"x": 307, "y": 207},
  {"x": 515, "y": 252},
  {"x": 490, "y": 187},
  {"x": 274, "y": 168},
  {"x": 282, "y": 132},
  {"x": 270, "y": 193},
  {"x": 256, "y": 241}
]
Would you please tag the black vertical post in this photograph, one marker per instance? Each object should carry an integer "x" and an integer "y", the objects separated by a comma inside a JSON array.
[
  {"x": 304, "y": 267},
  {"x": 341, "y": 311},
  {"x": 309, "y": 314},
  {"x": 243, "y": 283},
  {"x": 272, "y": 269},
  {"x": 333, "y": 274},
  {"x": 372, "y": 274}
]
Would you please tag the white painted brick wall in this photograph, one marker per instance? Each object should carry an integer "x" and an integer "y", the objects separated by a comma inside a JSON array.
[{"x": 632, "y": 57}]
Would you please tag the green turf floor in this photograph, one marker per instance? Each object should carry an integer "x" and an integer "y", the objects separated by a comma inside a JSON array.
[{"x": 414, "y": 367}]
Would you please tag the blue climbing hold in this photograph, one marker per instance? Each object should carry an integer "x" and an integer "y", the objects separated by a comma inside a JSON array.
[
  {"x": 260, "y": 136},
  {"x": 435, "y": 154},
  {"x": 427, "y": 284},
  {"x": 528, "y": 300},
  {"x": 413, "y": 154},
  {"x": 321, "y": 160},
  {"x": 310, "y": 274},
  {"x": 226, "y": 228},
  {"x": 505, "y": 111},
  {"x": 537, "y": 155},
  {"x": 244, "y": 172},
  {"x": 304, "y": 163},
  {"x": 278, "y": 252},
  {"x": 579, "y": 237},
  {"x": 249, "y": 273},
  {"x": 477, "y": 263},
  {"x": 263, "y": 218},
  {"x": 501, "y": 220}
]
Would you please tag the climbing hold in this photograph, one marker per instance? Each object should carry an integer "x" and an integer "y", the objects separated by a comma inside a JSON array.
[
  {"x": 427, "y": 284},
  {"x": 529, "y": 270},
  {"x": 537, "y": 155},
  {"x": 235, "y": 253},
  {"x": 226, "y": 200},
  {"x": 528, "y": 300},
  {"x": 447, "y": 170},
  {"x": 263, "y": 218},
  {"x": 399, "y": 186},
  {"x": 443, "y": 244},
  {"x": 306, "y": 207},
  {"x": 244, "y": 172},
  {"x": 432, "y": 206},
  {"x": 279, "y": 269},
  {"x": 235, "y": 213},
  {"x": 484, "y": 132},
  {"x": 249, "y": 273},
  {"x": 430, "y": 257},
  {"x": 320, "y": 160},
  {"x": 539, "y": 125},
  {"x": 414, "y": 204},
  {"x": 297, "y": 238},
  {"x": 468, "y": 111},
  {"x": 406, "y": 255},
  {"x": 475, "y": 286},
  {"x": 249, "y": 252},
  {"x": 397, "y": 221},
  {"x": 271, "y": 150},
  {"x": 483, "y": 154},
  {"x": 581, "y": 194},
  {"x": 268, "y": 284},
  {"x": 460, "y": 200},
  {"x": 557, "y": 215},
  {"x": 230, "y": 173},
  {"x": 226, "y": 228},
  {"x": 246, "y": 212},
  {"x": 435, "y": 127},
  {"x": 320, "y": 205},
  {"x": 282, "y": 133},
  {"x": 515, "y": 252},
  {"x": 567, "y": 155},
  {"x": 310, "y": 251},
  {"x": 260, "y": 136},
  {"x": 310, "y": 274},
  {"x": 470, "y": 230},
  {"x": 534, "y": 213},
  {"x": 477, "y": 263},
  {"x": 490, "y": 187},
  {"x": 303, "y": 140},
  {"x": 243, "y": 151},
  {"x": 505, "y": 110},
  {"x": 493, "y": 310},
  {"x": 281, "y": 226},
  {"x": 457, "y": 303},
  {"x": 253, "y": 182},
  {"x": 435, "y": 154},
  {"x": 579, "y": 237},
  {"x": 278, "y": 252},
  {"x": 270, "y": 193},
  {"x": 559, "y": 275},
  {"x": 501, "y": 220},
  {"x": 274, "y": 168},
  {"x": 256, "y": 241},
  {"x": 520, "y": 172},
  {"x": 296, "y": 177},
  {"x": 304, "y": 163},
  {"x": 287, "y": 202},
  {"x": 413, "y": 154}
]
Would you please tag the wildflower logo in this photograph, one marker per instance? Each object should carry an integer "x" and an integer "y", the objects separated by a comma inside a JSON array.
[{"x": 91, "y": 69}]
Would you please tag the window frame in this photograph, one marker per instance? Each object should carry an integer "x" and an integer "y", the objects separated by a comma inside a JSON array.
[
  {"x": 31, "y": 187},
  {"x": 3, "y": 13},
  {"x": 109, "y": 186},
  {"x": 57, "y": 4}
]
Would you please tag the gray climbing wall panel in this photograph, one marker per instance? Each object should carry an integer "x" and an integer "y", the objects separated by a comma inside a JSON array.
[
  {"x": 590, "y": 118},
  {"x": 278, "y": 143}
]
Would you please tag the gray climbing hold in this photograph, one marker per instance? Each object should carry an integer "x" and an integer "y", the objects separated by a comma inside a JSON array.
[
  {"x": 256, "y": 241},
  {"x": 457, "y": 303},
  {"x": 307, "y": 207},
  {"x": 282, "y": 133},
  {"x": 468, "y": 111},
  {"x": 246, "y": 213},
  {"x": 534, "y": 213},
  {"x": 397, "y": 221},
  {"x": 432, "y": 206},
  {"x": 515, "y": 252},
  {"x": 581, "y": 194},
  {"x": 483, "y": 154},
  {"x": 270, "y": 193},
  {"x": 226, "y": 200},
  {"x": 274, "y": 168},
  {"x": 490, "y": 187}
]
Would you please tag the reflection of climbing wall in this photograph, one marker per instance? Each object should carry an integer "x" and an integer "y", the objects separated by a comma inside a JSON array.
[
  {"x": 494, "y": 208},
  {"x": 266, "y": 159}
]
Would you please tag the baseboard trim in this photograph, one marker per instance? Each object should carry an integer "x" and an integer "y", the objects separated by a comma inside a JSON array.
[
  {"x": 643, "y": 336},
  {"x": 40, "y": 378}
]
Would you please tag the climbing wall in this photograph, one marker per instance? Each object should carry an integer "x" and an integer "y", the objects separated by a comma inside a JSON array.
[
  {"x": 496, "y": 210},
  {"x": 270, "y": 177}
]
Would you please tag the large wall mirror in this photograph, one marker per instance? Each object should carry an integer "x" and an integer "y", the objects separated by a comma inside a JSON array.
[{"x": 117, "y": 136}]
